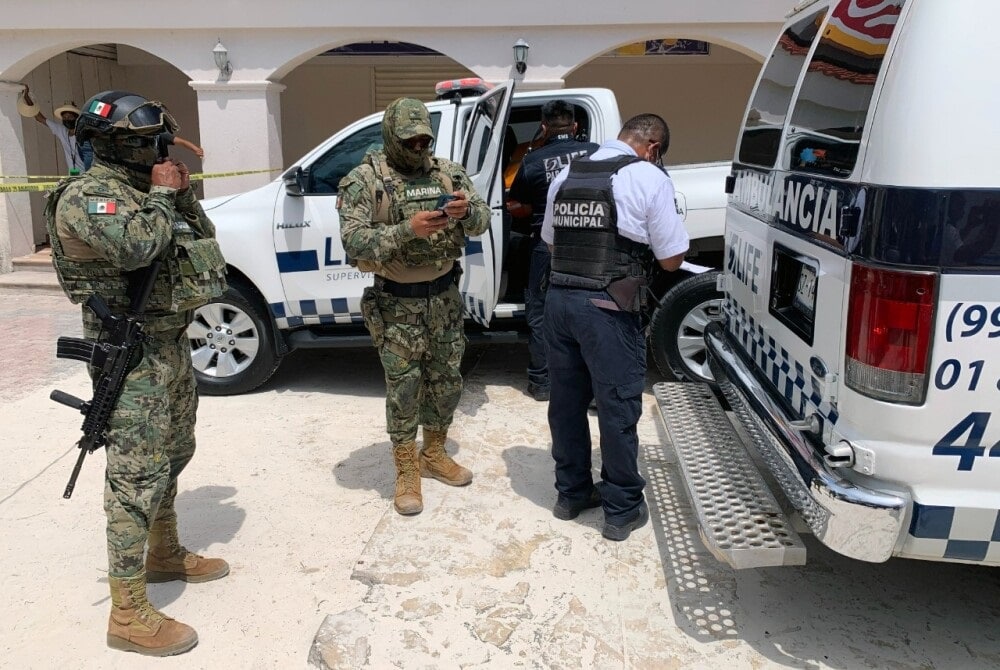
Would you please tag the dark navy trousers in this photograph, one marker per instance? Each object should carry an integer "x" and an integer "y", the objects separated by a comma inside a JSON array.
[
  {"x": 534, "y": 312},
  {"x": 595, "y": 353}
]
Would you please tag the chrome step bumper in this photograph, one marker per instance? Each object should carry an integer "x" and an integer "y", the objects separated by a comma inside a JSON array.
[
  {"x": 861, "y": 523},
  {"x": 738, "y": 519}
]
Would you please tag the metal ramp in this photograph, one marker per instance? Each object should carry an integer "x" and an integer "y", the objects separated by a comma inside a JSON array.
[{"x": 738, "y": 519}]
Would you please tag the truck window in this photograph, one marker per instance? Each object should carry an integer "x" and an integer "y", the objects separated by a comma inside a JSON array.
[
  {"x": 326, "y": 172},
  {"x": 482, "y": 126},
  {"x": 526, "y": 122},
  {"x": 766, "y": 116},
  {"x": 524, "y": 134},
  {"x": 836, "y": 92}
]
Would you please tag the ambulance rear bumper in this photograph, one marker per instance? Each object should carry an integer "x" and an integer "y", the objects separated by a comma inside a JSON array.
[{"x": 858, "y": 522}]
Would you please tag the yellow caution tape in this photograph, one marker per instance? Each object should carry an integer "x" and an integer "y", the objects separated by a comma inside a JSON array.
[
  {"x": 34, "y": 176},
  {"x": 212, "y": 175},
  {"x": 11, "y": 188}
]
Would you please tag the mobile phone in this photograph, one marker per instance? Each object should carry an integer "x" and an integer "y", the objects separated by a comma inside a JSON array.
[
  {"x": 443, "y": 200},
  {"x": 162, "y": 147}
]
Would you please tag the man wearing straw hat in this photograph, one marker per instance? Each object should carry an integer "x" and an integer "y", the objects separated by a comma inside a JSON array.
[{"x": 64, "y": 129}]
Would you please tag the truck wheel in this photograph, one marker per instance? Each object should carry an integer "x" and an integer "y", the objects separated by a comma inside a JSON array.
[
  {"x": 676, "y": 332},
  {"x": 232, "y": 346}
]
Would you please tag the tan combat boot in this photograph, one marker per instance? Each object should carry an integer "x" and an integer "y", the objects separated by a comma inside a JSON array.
[
  {"x": 135, "y": 626},
  {"x": 435, "y": 461},
  {"x": 168, "y": 560},
  {"x": 407, "y": 499}
]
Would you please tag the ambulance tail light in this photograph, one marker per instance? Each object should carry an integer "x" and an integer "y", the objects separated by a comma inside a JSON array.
[{"x": 889, "y": 329}]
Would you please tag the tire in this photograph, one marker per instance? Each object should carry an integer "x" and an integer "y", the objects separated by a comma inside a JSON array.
[
  {"x": 676, "y": 332},
  {"x": 245, "y": 356}
]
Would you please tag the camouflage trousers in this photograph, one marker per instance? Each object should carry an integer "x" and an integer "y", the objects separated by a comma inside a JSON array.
[
  {"x": 150, "y": 441},
  {"x": 420, "y": 342}
]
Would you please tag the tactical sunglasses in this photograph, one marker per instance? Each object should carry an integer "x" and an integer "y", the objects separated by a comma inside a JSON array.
[
  {"x": 418, "y": 142},
  {"x": 147, "y": 118}
]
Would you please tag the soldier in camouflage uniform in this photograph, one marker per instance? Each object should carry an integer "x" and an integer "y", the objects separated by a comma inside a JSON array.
[
  {"x": 107, "y": 226},
  {"x": 389, "y": 226}
]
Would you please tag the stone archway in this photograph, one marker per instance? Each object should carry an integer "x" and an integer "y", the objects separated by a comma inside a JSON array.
[
  {"x": 344, "y": 83},
  {"x": 58, "y": 73}
]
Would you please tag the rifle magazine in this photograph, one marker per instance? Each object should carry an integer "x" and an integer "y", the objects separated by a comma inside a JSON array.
[{"x": 75, "y": 348}]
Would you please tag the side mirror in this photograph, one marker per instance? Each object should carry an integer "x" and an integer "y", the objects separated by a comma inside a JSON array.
[{"x": 296, "y": 181}]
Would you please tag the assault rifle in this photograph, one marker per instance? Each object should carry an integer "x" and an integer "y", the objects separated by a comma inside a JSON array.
[{"x": 112, "y": 360}]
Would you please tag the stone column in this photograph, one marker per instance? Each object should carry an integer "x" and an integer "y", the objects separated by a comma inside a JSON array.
[
  {"x": 240, "y": 128},
  {"x": 16, "y": 235}
]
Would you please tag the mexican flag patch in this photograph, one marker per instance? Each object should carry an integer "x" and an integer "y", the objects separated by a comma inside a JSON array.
[
  {"x": 101, "y": 206},
  {"x": 101, "y": 109}
]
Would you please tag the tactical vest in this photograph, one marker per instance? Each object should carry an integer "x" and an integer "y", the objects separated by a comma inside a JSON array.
[
  {"x": 397, "y": 199},
  {"x": 192, "y": 271},
  {"x": 587, "y": 251}
]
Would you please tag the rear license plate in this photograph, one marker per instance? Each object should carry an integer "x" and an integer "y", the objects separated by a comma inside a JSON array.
[
  {"x": 794, "y": 279},
  {"x": 805, "y": 293}
]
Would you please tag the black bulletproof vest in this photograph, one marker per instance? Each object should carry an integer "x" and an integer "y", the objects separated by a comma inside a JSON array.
[{"x": 587, "y": 251}]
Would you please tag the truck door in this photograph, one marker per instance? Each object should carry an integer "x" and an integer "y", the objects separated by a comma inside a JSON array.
[{"x": 483, "y": 258}]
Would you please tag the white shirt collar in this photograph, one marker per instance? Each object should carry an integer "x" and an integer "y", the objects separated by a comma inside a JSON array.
[{"x": 621, "y": 147}]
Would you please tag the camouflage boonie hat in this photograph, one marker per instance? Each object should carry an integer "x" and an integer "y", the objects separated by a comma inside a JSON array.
[{"x": 408, "y": 118}]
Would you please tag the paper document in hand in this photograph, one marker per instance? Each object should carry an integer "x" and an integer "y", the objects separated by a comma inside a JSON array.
[{"x": 694, "y": 269}]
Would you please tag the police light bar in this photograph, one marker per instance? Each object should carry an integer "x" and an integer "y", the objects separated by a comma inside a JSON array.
[{"x": 461, "y": 88}]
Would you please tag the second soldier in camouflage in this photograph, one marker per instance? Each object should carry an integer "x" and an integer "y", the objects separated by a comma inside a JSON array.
[{"x": 389, "y": 226}]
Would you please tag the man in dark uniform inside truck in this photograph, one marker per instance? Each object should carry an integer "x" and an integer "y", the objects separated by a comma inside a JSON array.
[{"x": 527, "y": 199}]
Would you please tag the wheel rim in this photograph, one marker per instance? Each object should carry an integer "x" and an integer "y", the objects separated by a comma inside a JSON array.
[
  {"x": 224, "y": 340},
  {"x": 691, "y": 338}
]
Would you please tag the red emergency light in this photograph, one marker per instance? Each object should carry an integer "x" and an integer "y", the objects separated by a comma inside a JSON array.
[{"x": 461, "y": 88}]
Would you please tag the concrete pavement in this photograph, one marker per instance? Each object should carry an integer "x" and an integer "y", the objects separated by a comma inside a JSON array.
[{"x": 292, "y": 485}]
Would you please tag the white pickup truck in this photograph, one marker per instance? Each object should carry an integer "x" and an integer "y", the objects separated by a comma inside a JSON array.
[{"x": 291, "y": 285}]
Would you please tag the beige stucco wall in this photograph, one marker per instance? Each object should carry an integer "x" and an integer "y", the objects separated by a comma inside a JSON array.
[
  {"x": 319, "y": 100},
  {"x": 169, "y": 85},
  {"x": 281, "y": 98},
  {"x": 701, "y": 98}
]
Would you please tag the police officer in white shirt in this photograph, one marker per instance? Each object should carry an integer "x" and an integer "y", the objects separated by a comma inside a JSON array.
[{"x": 609, "y": 217}]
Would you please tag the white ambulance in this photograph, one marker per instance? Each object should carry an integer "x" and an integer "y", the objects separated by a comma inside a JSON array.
[{"x": 860, "y": 342}]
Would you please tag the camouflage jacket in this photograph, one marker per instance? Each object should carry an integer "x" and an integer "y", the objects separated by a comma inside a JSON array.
[
  {"x": 101, "y": 228},
  {"x": 369, "y": 236}
]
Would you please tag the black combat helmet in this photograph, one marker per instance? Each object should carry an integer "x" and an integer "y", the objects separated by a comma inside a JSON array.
[
  {"x": 124, "y": 129},
  {"x": 115, "y": 113}
]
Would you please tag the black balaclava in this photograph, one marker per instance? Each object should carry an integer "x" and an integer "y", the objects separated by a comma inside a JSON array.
[{"x": 135, "y": 161}]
